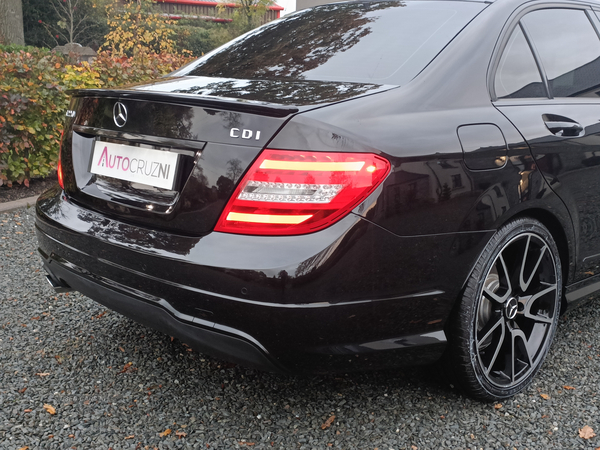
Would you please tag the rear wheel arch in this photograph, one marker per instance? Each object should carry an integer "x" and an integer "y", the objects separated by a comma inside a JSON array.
[{"x": 561, "y": 232}]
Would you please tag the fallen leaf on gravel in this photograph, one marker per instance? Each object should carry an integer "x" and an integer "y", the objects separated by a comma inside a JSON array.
[
  {"x": 249, "y": 444},
  {"x": 328, "y": 423},
  {"x": 28, "y": 410},
  {"x": 414, "y": 447},
  {"x": 49, "y": 408},
  {"x": 498, "y": 406},
  {"x": 130, "y": 437},
  {"x": 586, "y": 432},
  {"x": 180, "y": 434},
  {"x": 58, "y": 358},
  {"x": 569, "y": 388},
  {"x": 24, "y": 448},
  {"x": 43, "y": 374},
  {"x": 128, "y": 368},
  {"x": 545, "y": 396},
  {"x": 122, "y": 349},
  {"x": 22, "y": 391},
  {"x": 165, "y": 433}
]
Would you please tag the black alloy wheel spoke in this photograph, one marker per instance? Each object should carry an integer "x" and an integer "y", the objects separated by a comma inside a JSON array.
[
  {"x": 528, "y": 302},
  {"x": 492, "y": 295},
  {"x": 517, "y": 334},
  {"x": 490, "y": 328},
  {"x": 496, "y": 298},
  {"x": 524, "y": 285}
]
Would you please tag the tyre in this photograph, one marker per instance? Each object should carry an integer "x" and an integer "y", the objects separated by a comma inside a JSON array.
[{"x": 507, "y": 317}]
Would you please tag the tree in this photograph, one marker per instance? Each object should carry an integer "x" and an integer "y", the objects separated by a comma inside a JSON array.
[
  {"x": 73, "y": 19},
  {"x": 49, "y": 23},
  {"x": 251, "y": 13},
  {"x": 11, "y": 22},
  {"x": 35, "y": 13},
  {"x": 247, "y": 15}
]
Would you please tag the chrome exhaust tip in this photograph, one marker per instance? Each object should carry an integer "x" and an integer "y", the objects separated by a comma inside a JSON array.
[{"x": 59, "y": 286}]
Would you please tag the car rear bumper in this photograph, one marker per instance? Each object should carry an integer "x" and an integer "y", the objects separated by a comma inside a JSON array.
[
  {"x": 199, "y": 334},
  {"x": 353, "y": 296}
]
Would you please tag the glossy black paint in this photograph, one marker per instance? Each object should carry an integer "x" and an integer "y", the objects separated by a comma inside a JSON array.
[
  {"x": 374, "y": 289},
  {"x": 270, "y": 93},
  {"x": 295, "y": 311}
]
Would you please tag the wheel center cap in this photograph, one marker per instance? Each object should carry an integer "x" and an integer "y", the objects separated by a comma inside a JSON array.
[{"x": 511, "y": 307}]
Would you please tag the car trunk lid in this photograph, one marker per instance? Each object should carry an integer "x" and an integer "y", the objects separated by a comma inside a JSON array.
[{"x": 157, "y": 156}]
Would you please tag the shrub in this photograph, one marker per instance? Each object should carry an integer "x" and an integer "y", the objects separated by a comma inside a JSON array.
[
  {"x": 119, "y": 70},
  {"x": 11, "y": 48},
  {"x": 31, "y": 112},
  {"x": 33, "y": 102},
  {"x": 137, "y": 27}
]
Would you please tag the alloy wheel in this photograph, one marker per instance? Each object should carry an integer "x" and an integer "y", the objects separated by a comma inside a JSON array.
[{"x": 516, "y": 311}]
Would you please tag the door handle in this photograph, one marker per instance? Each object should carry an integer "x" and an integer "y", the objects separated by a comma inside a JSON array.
[{"x": 562, "y": 126}]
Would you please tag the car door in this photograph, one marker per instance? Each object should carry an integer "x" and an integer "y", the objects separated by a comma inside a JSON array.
[{"x": 547, "y": 83}]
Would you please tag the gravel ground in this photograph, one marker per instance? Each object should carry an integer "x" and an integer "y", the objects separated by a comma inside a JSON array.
[{"x": 111, "y": 383}]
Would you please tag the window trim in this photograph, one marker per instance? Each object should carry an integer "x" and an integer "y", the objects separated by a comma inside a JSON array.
[
  {"x": 536, "y": 57},
  {"x": 511, "y": 24}
]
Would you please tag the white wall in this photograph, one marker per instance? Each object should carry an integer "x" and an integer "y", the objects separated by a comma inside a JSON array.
[{"x": 289, "y": 5}]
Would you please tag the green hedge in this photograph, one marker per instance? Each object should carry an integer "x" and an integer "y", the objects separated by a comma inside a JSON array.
[{"x": 33, "y": 101}]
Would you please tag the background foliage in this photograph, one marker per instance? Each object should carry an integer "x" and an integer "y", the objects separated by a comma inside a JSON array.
[
  {"x": 43, "y": 22},
  {"x": 136, "y": 27},
  {"x": 136, "y": 44},
  {"x": 33, "y": 102}
]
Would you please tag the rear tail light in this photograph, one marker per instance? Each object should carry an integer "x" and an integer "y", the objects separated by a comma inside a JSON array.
[
  {"x": 292, "y": 192},
  {"x": 59, "y": 170}
]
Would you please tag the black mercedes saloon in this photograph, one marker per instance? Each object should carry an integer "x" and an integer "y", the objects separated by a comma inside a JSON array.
[{"x": 359, "y": 185}]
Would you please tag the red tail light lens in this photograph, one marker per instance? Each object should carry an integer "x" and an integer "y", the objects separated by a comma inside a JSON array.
[
  {"x": 292, "y": 192},
  {"x": 59, "y": 171}
]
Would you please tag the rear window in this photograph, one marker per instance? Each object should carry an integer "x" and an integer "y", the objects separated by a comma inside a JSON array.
[{"x": 363, "y": 42}]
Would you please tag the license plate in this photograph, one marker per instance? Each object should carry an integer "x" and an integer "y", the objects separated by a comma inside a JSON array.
[{"x": 140, "y": 165}]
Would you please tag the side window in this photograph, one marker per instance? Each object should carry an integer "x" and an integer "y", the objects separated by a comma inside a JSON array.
[
  {"x": 518, "y": 75},
  {"x": 569, "y": 50}
]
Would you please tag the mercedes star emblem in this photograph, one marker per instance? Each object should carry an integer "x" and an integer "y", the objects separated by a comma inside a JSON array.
[{"x": 120, "y": 114}]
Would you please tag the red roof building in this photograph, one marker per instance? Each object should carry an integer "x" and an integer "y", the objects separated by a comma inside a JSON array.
[{"x": 206, "y": 9}]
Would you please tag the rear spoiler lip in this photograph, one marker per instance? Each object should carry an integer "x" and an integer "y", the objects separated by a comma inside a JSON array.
[{"x": 230, "y": 104}]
